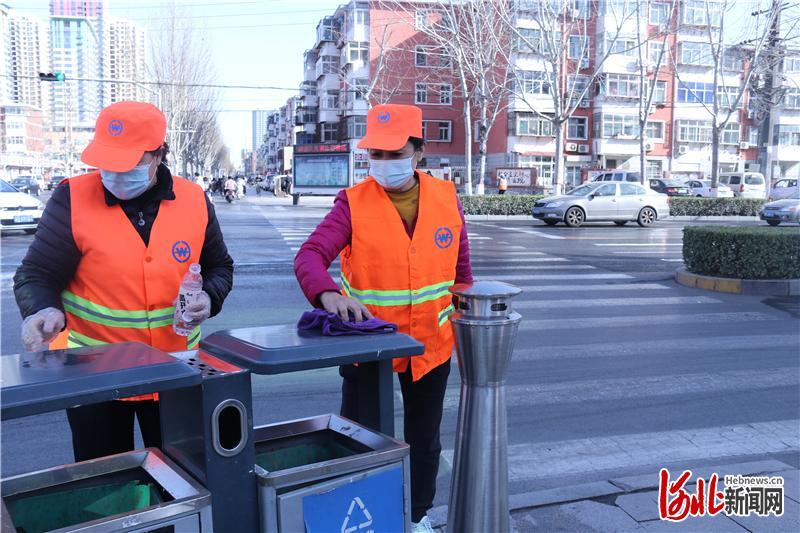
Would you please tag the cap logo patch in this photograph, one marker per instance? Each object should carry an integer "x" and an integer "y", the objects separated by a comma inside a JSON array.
[
  {"x": 115, "y": 128},
  {"x": 384, "y": 117}
]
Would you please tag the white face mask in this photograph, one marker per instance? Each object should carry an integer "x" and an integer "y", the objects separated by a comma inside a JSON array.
[
  {"x": 392, "y": 174},
  {"x": 127, "y": 185}
]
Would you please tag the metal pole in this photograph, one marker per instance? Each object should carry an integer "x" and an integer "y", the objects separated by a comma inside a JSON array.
[{"x": 485, "y": 329}]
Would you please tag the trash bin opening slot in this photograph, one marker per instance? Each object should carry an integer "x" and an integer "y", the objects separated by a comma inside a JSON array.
[
  {"x": 228, "y": 423},
  {"x": 305, "y": 449},
  {"x": 499, "y": 307}
]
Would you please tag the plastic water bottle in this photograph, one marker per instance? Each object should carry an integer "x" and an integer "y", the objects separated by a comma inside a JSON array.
[{"x": 191, "y": 286}]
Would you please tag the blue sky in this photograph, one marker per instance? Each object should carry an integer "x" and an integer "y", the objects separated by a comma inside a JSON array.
[{"x": 255, "y": 42}]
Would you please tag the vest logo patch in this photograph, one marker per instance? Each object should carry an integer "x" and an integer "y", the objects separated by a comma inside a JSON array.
[
  {"x": 443, "y": 237},
  {"x": 115, "y": 128},
  {"x": 181, "y": 251}
]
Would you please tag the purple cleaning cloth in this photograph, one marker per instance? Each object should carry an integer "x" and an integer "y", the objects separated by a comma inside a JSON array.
[{"x": 332, "y": 324}]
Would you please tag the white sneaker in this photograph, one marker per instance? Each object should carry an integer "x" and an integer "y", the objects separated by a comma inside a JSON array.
[{"x": 423, "y": 526}]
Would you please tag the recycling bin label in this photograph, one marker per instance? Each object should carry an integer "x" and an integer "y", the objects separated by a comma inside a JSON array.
[{"x": 371, "y": 505}]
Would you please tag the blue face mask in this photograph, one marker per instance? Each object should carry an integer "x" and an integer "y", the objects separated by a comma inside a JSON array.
[
  {"x": 127, "y": 185},
  {"x": 391, "y": 174}
]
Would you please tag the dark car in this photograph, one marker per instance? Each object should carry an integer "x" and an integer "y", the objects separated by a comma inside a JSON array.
[
  {"x": 26, "y": 184},
  {"x": 55, "y": 181},
  {"x": 670, "y": 187}
]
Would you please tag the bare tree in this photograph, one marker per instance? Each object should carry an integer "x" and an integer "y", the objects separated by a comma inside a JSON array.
[
  {"x": 557, "y": 37},
  {"x": 738, "y": 61},
  {"x": 180, "y": 65},
  {"x": 648, "y": 64}
]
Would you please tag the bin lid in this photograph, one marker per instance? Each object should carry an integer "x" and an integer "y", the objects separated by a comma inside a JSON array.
[
  {"x": 40, "y": 382},
  {"x": 282, "y": 348}
]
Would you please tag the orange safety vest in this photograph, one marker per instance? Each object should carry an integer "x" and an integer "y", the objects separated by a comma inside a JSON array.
[
  {"x": 124, "y": 291},
  {"x": 406, "y": 280}
]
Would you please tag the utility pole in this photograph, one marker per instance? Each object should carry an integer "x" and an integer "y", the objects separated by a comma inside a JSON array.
[{"x": 774, "y": 55}]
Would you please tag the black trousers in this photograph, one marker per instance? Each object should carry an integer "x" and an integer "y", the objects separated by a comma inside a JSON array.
[
  {"x": 423, "y": 402},
  {"x": 106, "y": 428}
]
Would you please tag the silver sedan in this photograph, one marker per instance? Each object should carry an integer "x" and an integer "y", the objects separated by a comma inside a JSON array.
[{"x": 603, "y": 201}]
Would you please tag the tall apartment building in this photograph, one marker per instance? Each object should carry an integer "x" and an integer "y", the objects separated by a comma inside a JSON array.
[
  {"x": 783, "y": 153},
  {"x": 259, "y": 126},
  {"x": 125, "y": 59}
]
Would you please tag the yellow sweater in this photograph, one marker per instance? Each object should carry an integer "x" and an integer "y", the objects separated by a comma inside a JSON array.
[{"x": 406, "y": 203}]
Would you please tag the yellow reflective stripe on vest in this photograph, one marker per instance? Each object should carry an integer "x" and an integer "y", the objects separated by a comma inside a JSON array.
[
  {"x": 398, "y": 297},
  {"x": 79, "y": 340},
  {"x": 116, "y": 318},
  {"x": 194, "y": 339},
  {"x": 444, "y": 314}
]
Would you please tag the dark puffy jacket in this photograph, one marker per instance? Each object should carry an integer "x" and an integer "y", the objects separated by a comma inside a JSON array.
[{"x": 53, "y": 256}]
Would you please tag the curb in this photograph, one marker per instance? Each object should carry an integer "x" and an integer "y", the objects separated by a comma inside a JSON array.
[
  {"x": 760, "y": 287},
  {"x": 682, "y": 218}
]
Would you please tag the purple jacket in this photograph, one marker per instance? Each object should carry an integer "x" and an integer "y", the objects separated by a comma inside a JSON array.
[{"x": 333, "y": 235}]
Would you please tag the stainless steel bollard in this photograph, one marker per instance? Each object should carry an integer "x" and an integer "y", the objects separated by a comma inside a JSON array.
[{"x": 485, "y": 330}]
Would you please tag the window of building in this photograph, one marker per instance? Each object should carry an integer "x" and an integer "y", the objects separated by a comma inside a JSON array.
[
  {"x": 421, "y": 56},
  {"x": 692, "y": 92},
  {"x": 534, "y": 81},
  {"x": 330, "y": 132},
  {"x": 654, "y": 130},
  {"x": 791, "y": 64},
  {"x": 533, "y": 125},
  {"x": 14, "y": 125},
  {"x": 445, "y": 131},
  {"x": 694, "y": 131},
  {"x": 732, "y": 60},
  {"x": 330, "y": 100},
  {"x": 437, "y": 130},
  {"x": 358, "y": 52},
  {"x": 654, "y": 51},
  {"x": 361, "y": 16},
  {"x": 621, "y": 85},
  {"x": 620, "y": 8},
  {"x": 421, "y": 93},
  {"x": 328, "y": 65},
  {"x": 577, "y": 47},
  {"x": 726, "y": 96},
  {"x": 753, "y": 136},
  {"x": 695, "y": 54},
  {"x": 613, "y": 125},
  {"x": 786, "y": 135},
  {"x": 791, "y": 99},
  {"x": 659, "y": 13},
  {"x": 654, "y": 169},
  {"x": 730, "y": 134},
  {"x": 445, "y": 93},
  {"x": 426, "y": 18},
  {"x": 625, "y": 47},
  {"x": 360, "y": 88},
  {"x": 529, "y": 41},
  {"x": 543, "y": 165},
  {"x": 701, "y": 12},
  {"x": 577, "y": 128},
  {"x": 356, "y": 127},
  {"x": 572, "y": 176},
  {"x": 577, "y": 84},
  {"x": 660, "y": 92}
]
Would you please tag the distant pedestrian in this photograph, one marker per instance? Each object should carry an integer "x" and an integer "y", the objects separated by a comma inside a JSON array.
[{"x": 502, "y": 185}]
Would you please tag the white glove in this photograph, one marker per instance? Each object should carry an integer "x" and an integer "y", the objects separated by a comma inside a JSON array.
[
  {"x": 197, "y": 310},
  {"x": 42, "y": 327}
]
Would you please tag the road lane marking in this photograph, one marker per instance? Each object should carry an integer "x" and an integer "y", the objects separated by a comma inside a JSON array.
[
  {"x": 615, "y": 244},
  {"x": 535, "y": 277},
  {"x": 636, "y": 321},
  {"x": 594, "y": 287},
  {"x": 534, "y": 267},
  {"x": 521, "y": 260},
  {"x": 609, "y": 302}
]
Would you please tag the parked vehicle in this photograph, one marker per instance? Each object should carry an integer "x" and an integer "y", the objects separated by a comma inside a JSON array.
[
  {"x": 27, "y": 185},
  {"x": 18, "y": 210},
  {"x": 601, "y": 201},
  {"x": 670, "y": 187},
  {"x": 745, "y": 184},
  {"x": 786, "y": 210},
  {"x": 619, "y": 175},
  {"x": 784, "y": 188},
  {"x": 702, "y": 189},
  {"x": 55, "y": 181}
]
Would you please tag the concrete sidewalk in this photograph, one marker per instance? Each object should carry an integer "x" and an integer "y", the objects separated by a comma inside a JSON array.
[{"x": 631, "y": 504}]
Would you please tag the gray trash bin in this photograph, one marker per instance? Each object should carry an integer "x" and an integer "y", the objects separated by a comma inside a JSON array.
[
  {"x": 327, "y": 473},
  {"x": 139, "y": 491}
]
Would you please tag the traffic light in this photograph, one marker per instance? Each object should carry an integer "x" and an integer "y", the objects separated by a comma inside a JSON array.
[{"x": 52, "y": 76}]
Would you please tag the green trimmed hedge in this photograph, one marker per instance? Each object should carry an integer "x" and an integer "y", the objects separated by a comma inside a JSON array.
[
  {"x": 714, "y": 207},
  {"x": 499, "y": 204},
  {"x": 742, "y": 252}
]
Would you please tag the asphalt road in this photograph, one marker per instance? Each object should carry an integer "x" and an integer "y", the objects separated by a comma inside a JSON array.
[{"x": 617, "y": 369}]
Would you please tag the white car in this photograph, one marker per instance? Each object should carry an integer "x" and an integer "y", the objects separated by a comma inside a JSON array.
[
  {"x": 784, "y": 188},
  {"x": 702, "y": 188},
  {"x": 18, "y": 210}
]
